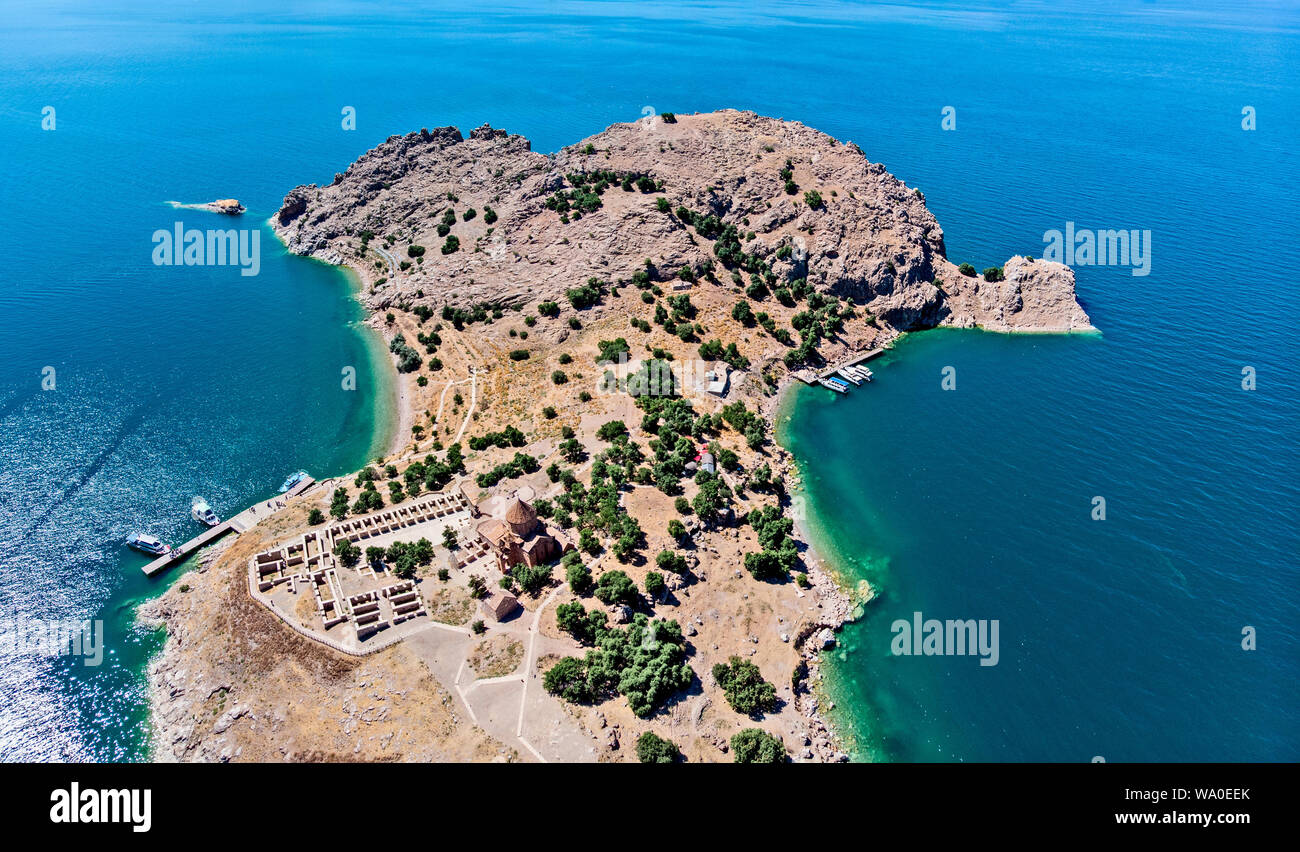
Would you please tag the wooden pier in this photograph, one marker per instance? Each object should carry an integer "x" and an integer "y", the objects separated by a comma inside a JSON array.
[{"x": 238, "y": 524}]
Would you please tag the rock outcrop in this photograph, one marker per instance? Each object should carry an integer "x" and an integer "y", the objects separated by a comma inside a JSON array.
[{"x": 869, "y": 238}]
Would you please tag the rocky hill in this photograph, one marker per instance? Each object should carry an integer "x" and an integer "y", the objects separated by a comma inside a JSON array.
[{"x": 804, "y": 206}]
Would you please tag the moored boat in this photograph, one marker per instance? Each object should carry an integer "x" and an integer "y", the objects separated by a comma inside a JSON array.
[
  {"x": 202, "y": 512},
  {"x": 293, "y": 480},
  {"x": 838, "y": 387},
  {"x": 846, "y": 373},
  {"x": 861, "y": 372},
  {"x": 147, "y": 544}
]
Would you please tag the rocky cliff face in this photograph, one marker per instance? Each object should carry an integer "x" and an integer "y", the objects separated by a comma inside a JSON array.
[{"x": 871, "y": 238}]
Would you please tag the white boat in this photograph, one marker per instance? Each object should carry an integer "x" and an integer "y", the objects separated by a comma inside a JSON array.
[
  {"x": 838, "y": 387},
  {"x": 848, "y": 374},
  {"x": 293, "y": 480},
  {"x": 147, "y": 544},
  {"x": 861, "y": 372},
  {"x": 202, "y": 512}
]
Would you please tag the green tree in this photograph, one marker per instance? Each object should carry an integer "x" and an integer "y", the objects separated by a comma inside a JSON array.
[
  {"x": 568, "y": 679},
  {"x": 754, "y": 745},
  {"x": 744, "y": 687},
  {"x": 578, "y": 576},
  {"x": 652, "y": 748},
  {"x": 654, "y": 585},
  {"x": 348, "y": 553},
  {"x": 616, "y": 587},
  {"x": 668, "y": 560},
  {"x": 531, "y": 578}
]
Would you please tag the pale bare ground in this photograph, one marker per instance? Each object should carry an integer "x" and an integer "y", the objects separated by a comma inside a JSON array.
[
  {"x": 234, "y": 683},
  {"x": 496, "y": 656}
]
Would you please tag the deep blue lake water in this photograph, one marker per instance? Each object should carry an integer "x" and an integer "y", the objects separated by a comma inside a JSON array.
[{"x": 1119, "y": 638}]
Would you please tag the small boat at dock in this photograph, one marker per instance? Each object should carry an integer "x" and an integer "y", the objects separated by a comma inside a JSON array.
[
  {"x": 293, "y": 480},
  {"x": 147, "y": 544},
  {"x": 838, "y": 387},
  {"x": 847, "y": 374},
  {"x": 861, "y": 372},
  {"x": 202, "y": 512}
]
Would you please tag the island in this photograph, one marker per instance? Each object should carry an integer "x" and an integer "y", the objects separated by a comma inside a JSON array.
[{"x": 584, "y": 543}]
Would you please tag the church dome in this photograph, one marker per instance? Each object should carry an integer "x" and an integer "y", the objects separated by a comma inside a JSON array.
[{"x": 521, "y": 517}]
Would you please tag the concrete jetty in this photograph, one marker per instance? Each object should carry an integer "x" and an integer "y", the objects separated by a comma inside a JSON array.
[
  {"x": 238, "y": 524},
  {"x": 856, "y": 359},
  {"x": 813, "y": 377}
]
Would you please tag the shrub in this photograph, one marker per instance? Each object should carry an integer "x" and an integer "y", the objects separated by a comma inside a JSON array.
[
  {"x": 652, "y": 748},
  {"x": 813, "y": 198},
  {"x": 743, "y": 313},
  {"x": 993, "y": 273},
  {"x": 610, "y": 430},
  {"x": 408, "y": 360},
  {"x": 668, "y": 560},
  {"x": 315, "y": 516},
  {"x": 584, "y": 296},
  {"x": 967, "y": 270},
  {"x": 519, "y": 355},
  {"x": 558, "y": 377},
  {"x": 754, "y": 745},
  {"x": 548, "y": 309},
  {"x": 479, "y": 627},
  {"x": 469, "y": 214},
  {"x": 611, "y": 349},
  {"x": 451, "y": 245},
  {"x": 744, "y": 687},
  {"x": 655, "y": 585}
]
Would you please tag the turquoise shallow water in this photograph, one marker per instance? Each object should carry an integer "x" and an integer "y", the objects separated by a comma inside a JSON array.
[
  {"x": 176, "y": 381},
  {"x": 1118, "y": 638}
]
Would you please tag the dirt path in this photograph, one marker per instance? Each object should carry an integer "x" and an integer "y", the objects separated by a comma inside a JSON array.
[{"x": 473, "y": 398}]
